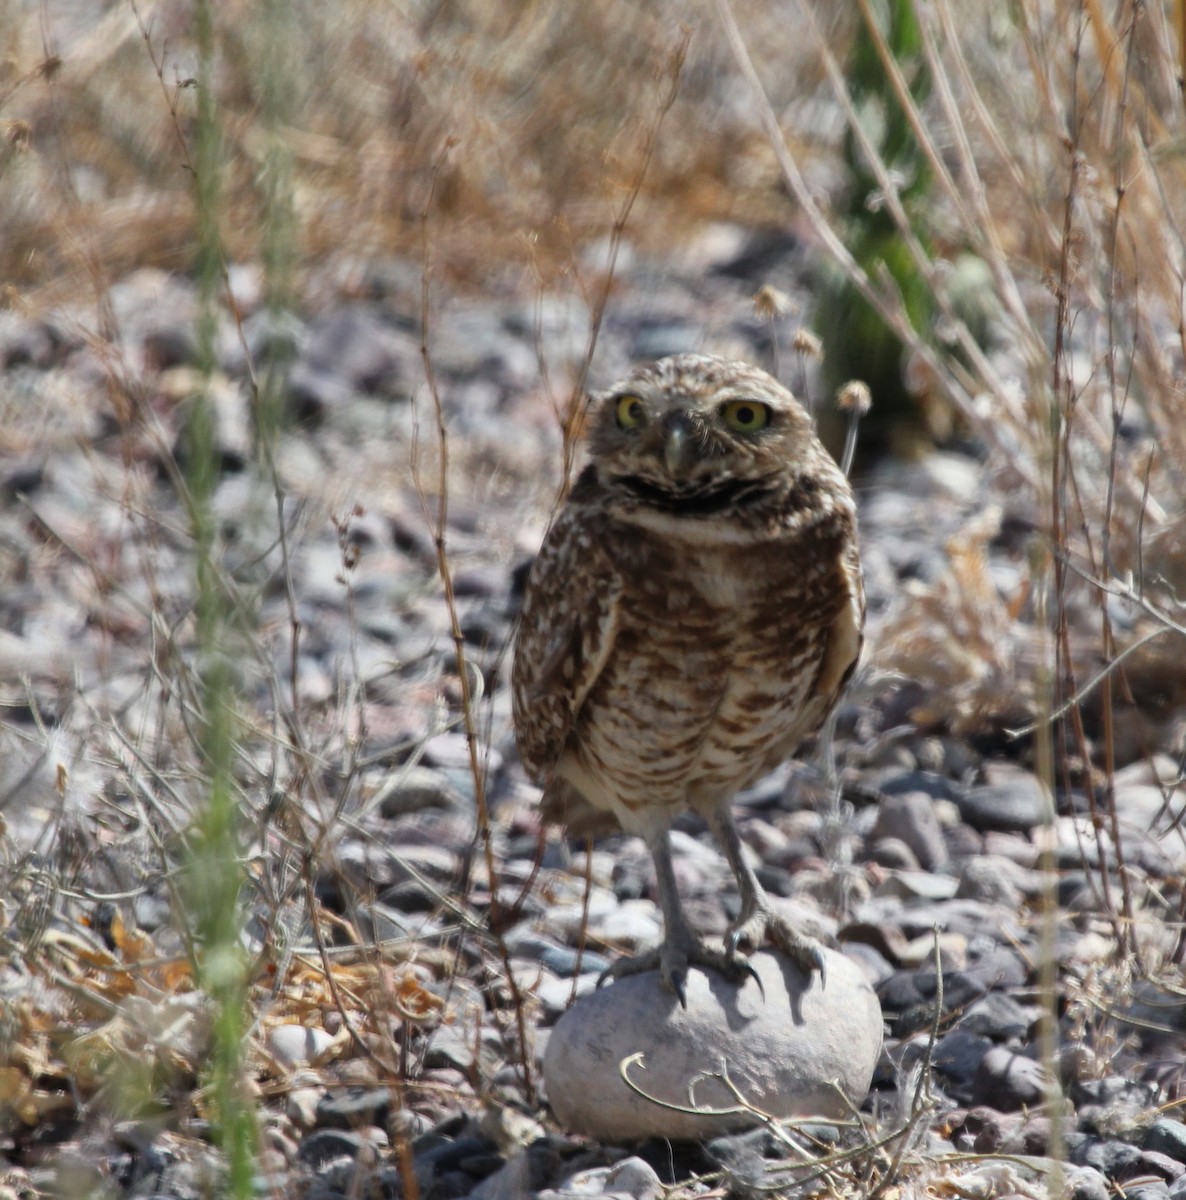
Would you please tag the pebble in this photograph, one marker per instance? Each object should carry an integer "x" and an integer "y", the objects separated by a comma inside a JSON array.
[
  {"x": 1167, "y": 1136},
  {"x": 1015, "y": 806},
  {"x": 353, "y": 1107},
  {"x": 324, "y": 1145},
  {"x": 1009, "y": 1081},
  {"x": 989, "y": 879},
  {"x": 297, "y": 1045},
  {"x": 910, "y": 818},
  {"x": 999, "y": 1017},
  {"x": 957, "y": 1055},
  {"x": 521, "y": 1175},
  {"x": 631, "y": 1179},
  {"x": 1086, "y": 1183}
]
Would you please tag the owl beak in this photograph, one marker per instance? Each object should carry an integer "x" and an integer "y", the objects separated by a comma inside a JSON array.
[{"x": 679, "y": 443}]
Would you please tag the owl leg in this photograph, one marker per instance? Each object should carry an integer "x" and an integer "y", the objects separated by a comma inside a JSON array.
[
  {"x": 680, "y": 948},
  {"x": 757, "y": 922}
]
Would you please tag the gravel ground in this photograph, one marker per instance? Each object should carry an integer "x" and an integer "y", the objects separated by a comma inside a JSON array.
[{"x": 917, "y": 838}]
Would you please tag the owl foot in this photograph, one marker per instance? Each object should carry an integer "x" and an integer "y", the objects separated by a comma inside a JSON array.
[
  {"x": 672, "y": 958},
  {"x": 765, "y": 925}
]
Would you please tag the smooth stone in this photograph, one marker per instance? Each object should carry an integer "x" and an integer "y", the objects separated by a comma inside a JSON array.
[
  {"x": 986, "y": 1130},
  {"x": 956, "y": 1057},
  {"x": 1147, "y": 1191},
  {"x": 522, "y": 1175},
  {"x": 892, "y": 853},
  {"x": 989, "y": 880},
  {"x": 910, "y": 818},
  {"x": 1167, "y": 1136},
  {"x": 301, "y": 1106},
  {"x": 1008, "y": 1081},
  {"x": 786, "y": 1054},
  {"x": 413, "y": 789},
  {"x": 1086, "y": 1183},
  {"x": 354, "y": 1107},
  {"x": 325, "y": 1145},
  {"x": 998, "y": 1017},
  {"x": 1012, "y": 801},
  {"x": 296, "y": 1045},
  {"x": 632, "y": 1177},
  {"x": 1154, "y": 1163}
]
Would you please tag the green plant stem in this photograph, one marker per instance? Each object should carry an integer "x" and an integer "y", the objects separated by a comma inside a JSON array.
[{"x": 214, "y": 871}]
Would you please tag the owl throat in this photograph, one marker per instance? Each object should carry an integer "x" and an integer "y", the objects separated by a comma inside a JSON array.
[
  {"x": 705, "y": 499},
  {"x": 714, "y": 497}
]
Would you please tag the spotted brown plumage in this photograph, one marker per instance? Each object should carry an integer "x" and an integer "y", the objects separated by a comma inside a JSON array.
[{"x": 694, "y": 612}]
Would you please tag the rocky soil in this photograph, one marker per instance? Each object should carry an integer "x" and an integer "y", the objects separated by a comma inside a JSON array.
[{"x": 398, "y": 1025}]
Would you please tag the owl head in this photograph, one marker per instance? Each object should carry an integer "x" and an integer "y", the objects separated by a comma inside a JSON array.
[{"x": 693, "y": 432}]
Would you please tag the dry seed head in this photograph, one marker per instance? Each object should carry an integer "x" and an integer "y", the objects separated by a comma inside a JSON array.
[
  {"x": 770, "y": 302},
  {"x": 854, "y": 396},
  {"x": 806, "y": 343}
]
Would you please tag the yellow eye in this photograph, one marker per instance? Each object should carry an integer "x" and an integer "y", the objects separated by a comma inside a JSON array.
[
  {"x": 630, "y": 411},
  {"x": 745, "y": 416}
]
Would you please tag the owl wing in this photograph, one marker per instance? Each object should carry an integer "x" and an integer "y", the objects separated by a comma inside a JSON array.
[
  {"x": 566, "y": 632},
  {"x": 842, "y": 646},
  {"x": 845, "y": 635}
]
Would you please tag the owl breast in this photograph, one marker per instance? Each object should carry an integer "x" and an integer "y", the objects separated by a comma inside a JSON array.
[{"x": 713, "y": 675}]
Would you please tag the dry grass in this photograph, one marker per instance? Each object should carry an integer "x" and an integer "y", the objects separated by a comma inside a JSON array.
[{"x": 539, "y": 110}]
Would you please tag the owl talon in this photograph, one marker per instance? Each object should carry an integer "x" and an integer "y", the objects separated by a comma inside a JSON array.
[
  {"x": 672, "y": 962},
  {"x": 678, "y": 981},
  {"x": 747, "y": 968},
  {"x": 821, "y": 964},
  {"x": 766, "y": 925}
]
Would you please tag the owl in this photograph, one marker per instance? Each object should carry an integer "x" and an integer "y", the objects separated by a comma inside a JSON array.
[{"x": 694, "y": 613}]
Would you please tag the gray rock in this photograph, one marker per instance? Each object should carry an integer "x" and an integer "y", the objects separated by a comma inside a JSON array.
[
  {"x": 1114, "y": 1159},
  {"x": 324, "y": 1145},
  {"x": 521, "y": 1175},
  {"x": 561, "y": 960},
  {"x": 359, "y": 344},
  {"x": 989, "y": 879},
  {"x": 301, "y": 1106},
  {"x": 957, "y": 1056},
  {"x": 1033, "y": 1137},
  {"x": 1162, "y": 1165},
  {"x": 296, "y": 1045},
  {"x": 1167, "y": 1136},
  {"x": 412, "y": 789},
  {"x": 1147, "y": 1191},
  {"x": 632, "y": 1177},
  {"x": 354, "y": 1107},
  {"x": 985, "y": 1130},
  {"x": 1008, "y": 1081},
  {"x": 911, "y": 819},
  {"x": 1086, "y": 1183},
  {"x": 1012, "y": 801},
  {"x": 24, "y": 342},
  {"x": 782, "y": 1052},
  {"x": 997, "y": 1016},
  {"x": 892, "y": 853}
]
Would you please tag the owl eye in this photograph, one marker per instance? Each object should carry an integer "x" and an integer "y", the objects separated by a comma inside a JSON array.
[
  {"x": 745, "y": 416},
  {"x": 630, "y": 412}
]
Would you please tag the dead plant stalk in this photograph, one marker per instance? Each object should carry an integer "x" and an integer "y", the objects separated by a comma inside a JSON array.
[{"x": 437, "y": 523}]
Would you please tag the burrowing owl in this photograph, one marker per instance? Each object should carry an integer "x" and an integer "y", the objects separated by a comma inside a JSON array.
[{"x": 693, "y": 614}]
